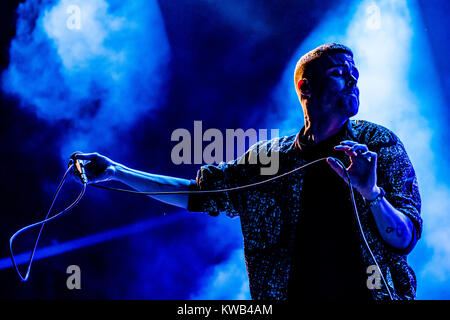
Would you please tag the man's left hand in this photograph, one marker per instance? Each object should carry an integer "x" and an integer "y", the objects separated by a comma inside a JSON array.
[{"x": 362, "y": 169}]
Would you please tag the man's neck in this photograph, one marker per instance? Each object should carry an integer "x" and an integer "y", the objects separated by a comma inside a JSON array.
[{"x": 319, "y": 130}]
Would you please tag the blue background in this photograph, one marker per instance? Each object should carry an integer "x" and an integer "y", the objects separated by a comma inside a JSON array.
[{"x": 136, "y": 71}]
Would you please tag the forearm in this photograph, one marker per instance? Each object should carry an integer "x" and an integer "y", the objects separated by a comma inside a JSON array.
[
  {"x": 394, "y": 226},
  {"x": 147, "y": 182}
]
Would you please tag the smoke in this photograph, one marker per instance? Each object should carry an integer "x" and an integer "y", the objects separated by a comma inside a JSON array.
[
  {"x": 391, "y": 52},
  {"x": 94, "y": 65},
  {"x": 97, "y": 66},
  {"x": 227, "y": 281}
]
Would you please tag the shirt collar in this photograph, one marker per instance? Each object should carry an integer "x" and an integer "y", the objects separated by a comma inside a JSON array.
[{"x": 346, "y": 132}]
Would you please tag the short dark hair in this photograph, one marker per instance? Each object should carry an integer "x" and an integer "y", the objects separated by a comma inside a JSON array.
[{"x": 307, "y": 61}]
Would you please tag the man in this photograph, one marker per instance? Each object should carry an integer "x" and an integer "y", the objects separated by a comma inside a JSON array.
[{"x": 301, "y": 238}]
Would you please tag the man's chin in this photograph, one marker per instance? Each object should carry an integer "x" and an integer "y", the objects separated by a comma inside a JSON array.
[
  {"x": 353, "y": 109},
  {"x": 351, "y": 106}
]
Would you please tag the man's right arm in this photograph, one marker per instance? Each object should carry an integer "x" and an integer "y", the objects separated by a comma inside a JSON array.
[
  {"x": 143, "y": 181},
  {"x": 100, "y": 168}
]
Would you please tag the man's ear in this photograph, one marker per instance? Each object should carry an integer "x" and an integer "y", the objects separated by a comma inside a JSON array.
[{"x": 304, "y": 87}]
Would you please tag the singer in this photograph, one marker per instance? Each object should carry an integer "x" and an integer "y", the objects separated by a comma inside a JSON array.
[{"x": 301, "y": 239}]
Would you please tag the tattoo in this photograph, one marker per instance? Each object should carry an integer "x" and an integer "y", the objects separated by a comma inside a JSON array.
[{"x": 399, "y": 230}]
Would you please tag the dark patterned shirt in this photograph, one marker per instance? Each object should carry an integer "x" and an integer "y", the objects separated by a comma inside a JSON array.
[{"x": 269, "y": 212}]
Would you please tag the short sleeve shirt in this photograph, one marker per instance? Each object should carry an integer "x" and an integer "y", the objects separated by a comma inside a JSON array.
[{"x": 269, "y": 213}]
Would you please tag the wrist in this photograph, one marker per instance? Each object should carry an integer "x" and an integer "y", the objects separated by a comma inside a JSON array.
[
  {"x": 374, "y": 202},
  {"x": 117, "y": 172},
  {"x": 372, "y": 194}
]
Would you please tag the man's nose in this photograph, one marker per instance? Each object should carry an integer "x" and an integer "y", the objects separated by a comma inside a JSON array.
[{"x": 351, "y": 81}]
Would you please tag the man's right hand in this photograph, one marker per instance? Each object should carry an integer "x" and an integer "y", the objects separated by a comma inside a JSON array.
[{"x": 98, "y": 167}]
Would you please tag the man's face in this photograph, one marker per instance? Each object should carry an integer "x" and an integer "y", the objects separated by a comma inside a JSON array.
[{"x": 334, "y": 88}]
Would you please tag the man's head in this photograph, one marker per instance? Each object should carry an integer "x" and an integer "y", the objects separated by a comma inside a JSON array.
[{"x": 325, "y": 80}]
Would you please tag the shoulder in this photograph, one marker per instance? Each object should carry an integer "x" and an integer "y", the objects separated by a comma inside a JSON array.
[
  {"x": 275, "y": 145},
  {"x": 373, "y": 134}
]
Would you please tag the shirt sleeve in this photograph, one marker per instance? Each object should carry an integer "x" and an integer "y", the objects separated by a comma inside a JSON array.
[
  {"x": 226, "y": 175},
  {"x": 398, "y": 178}
]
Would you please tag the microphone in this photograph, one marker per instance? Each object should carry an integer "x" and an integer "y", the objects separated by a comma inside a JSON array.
[{"x": 79, "y": 168}]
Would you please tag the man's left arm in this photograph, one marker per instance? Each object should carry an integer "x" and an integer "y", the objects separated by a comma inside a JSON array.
[
  {"x": 395, "y": 221},
  {"x": 394, "y": 226}
]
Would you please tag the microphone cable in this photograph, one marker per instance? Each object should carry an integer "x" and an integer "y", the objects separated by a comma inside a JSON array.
[
  {"x": 84, "y": 183},
  {"x": 355, "y": 209},
  {"x": 42, "y": 223}
]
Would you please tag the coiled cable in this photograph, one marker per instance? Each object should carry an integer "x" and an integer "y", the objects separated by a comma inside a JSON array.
[{"x": 71, "y": 166}]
